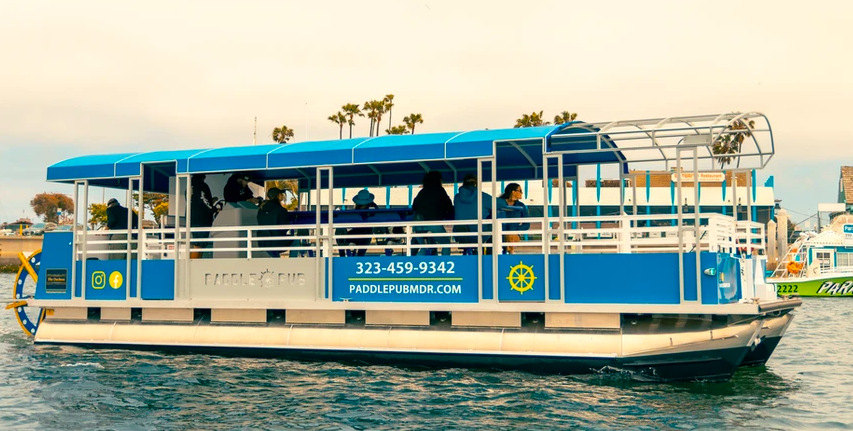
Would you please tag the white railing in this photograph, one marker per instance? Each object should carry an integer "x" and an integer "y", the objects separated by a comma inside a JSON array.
[
  {"x": 596, "y": 234},
  {"x": 102, "y": 242},
  {"x": 647, "y": 234},
  {"x": 750, "y": 235},
  {"x": 835, "y": 270}
]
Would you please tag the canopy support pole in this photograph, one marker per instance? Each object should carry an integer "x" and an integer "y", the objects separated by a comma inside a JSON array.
[
  {"x": 85, "y": 238},
  {"x": 74, "y": 238},
  {"x": 127, "y": 247},
  {"x": 561, "y": 179},
  {"x": 680, "y": 216}
]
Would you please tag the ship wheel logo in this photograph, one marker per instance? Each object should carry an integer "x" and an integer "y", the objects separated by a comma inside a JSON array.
[{"x": 521, "y": 278}]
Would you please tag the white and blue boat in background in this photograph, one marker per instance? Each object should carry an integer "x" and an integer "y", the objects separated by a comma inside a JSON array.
[{"x": 669, "y": 296}]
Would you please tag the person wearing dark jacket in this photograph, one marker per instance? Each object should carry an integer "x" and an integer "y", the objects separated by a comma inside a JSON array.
[
  {"x": 117, "y": 221},
  {"x": 202, "y": 209},
  {"x": 237, "y": 189},
  {"x": 117, "y": 216},
  {"x": 273, "y": 213},
  {"x": 465, "y": 208},
  {"x": 432, "y": 203},
  {"x": 363, "y": 201}
]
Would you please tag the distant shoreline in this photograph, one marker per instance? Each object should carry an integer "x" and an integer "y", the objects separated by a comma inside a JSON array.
[{"x": 8, "y": 269}]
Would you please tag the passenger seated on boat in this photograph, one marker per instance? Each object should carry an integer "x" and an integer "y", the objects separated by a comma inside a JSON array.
[
  {"x": 509, "y": 205},
  {"x": 432, "y": 203},
  {"x": 117, "y": 221},
  {"x": 465, "y": 207},
  {"x": 386, "y": 217},
  {"x": 273, "y": 213},
  {"x": 237, "y": 189},
  {"x": 202, "y": 210},
  {"x": 363, "y": 201}
]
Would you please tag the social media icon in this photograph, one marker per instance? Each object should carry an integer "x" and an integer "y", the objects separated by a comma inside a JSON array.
[
  {"x": 99, "y": 280},
  {"x": 116, "y": 279}
]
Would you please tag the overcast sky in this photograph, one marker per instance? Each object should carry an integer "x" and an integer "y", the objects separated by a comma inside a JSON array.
[{"x": 98, "y": 77}]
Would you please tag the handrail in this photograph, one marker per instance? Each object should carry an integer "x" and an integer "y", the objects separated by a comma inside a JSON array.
[
  {"x": 621, "y": 233},
  {"x": 836, "y": 270}
]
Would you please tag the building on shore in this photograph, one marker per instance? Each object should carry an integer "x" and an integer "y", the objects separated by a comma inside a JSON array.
[
  {"x": 845, "y": 187},
  {"x": 17, "y": 225}
]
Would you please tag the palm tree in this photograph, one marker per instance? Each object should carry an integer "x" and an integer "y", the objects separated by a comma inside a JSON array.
[
  {"x": 380, "y": 109},
  {"x": 282, "y": 134},
  {"x": 398, "y": 130},
  {"x": 389, "y": 103},
  {"x": 370, "y": 109},
  {"x": 565, "y": 117},
  {"x": 538, "y": 119},
  {"x": 532, "y": 120},
  {"x": 351, "y": 110},
  {"x": 412, "y": 120},
  {"x": 730, "y": 143},
  {"x": 340, "y": 119}
]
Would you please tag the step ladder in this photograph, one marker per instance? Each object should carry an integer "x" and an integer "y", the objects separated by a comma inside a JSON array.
[{"x": 796, "y": 250}]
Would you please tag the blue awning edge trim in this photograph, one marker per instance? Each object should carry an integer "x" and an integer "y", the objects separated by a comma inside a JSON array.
[{"x": 346, "y": 152}]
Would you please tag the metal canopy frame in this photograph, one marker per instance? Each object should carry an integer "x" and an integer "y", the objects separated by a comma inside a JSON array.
[{"x": 657, "y": 140}]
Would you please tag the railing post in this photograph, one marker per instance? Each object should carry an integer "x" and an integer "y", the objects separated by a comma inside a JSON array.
[
  {"x": 625, "y": 234},
  {"x": 498, "y": 240},
  {"x": 327, "y": 244},
  {"x": 712, "y": 235},
  {"x": 249, "y": 243},
  {"x": 409, "y": 230}
]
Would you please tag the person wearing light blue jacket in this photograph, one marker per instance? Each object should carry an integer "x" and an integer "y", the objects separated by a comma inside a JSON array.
[
  {"x": 465, "y": 205},
  {"x": 509, "y": 206}
]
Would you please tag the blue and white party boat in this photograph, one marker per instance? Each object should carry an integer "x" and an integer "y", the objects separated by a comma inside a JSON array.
[{"x": 676, "y": 296}]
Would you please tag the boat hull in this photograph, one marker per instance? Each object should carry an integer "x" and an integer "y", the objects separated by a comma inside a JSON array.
[
  {"x": 657, "y": 349},
  {"x": 772, "y": 330},
  {"x": 710, "y": 365},
  {"x": 836, "y": 285}
]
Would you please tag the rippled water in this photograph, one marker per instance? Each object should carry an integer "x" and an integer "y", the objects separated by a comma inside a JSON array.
[{"x": 808, "y": 384}]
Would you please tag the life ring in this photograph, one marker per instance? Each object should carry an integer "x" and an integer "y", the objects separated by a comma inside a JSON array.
[
  {"x": 794, "y": 267},
  {"x": 27, "y": 270}
]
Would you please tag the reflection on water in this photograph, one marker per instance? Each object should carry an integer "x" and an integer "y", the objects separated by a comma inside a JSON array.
[{"x": 65, "y": 387}]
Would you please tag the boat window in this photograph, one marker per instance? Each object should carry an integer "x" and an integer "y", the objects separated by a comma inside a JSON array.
[
  {"x": 824, "y": 258},
  {"x": 844, "y": 259}
]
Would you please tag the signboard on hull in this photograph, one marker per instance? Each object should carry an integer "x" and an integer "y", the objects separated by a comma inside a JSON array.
[
  {"x": 265, "y": 279},
  {"x": 405, "y": 279},
  {"x": 106, "y": 280},
  {"x": 848, "y": 235},
  {"x": 521, "y": 278}
]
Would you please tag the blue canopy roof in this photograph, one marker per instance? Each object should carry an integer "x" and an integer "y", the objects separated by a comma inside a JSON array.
[{"x": 387, "y": 160}]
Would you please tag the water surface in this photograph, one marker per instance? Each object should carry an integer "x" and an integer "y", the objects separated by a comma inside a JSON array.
[{"x": 806, "y": 385}]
